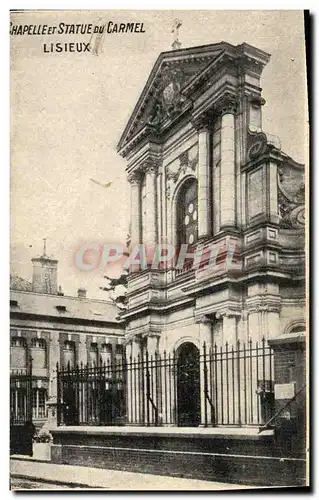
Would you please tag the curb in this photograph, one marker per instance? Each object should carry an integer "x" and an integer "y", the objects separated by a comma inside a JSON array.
[{"x": 55, "y": 482}]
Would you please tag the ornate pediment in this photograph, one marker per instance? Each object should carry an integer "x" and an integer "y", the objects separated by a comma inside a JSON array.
[
  {"x": 178, "y": 78},
  {"x": 162, "y": 99}
]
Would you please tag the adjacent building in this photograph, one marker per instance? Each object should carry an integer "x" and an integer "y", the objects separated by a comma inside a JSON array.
[{"x": 48, "y": 327}]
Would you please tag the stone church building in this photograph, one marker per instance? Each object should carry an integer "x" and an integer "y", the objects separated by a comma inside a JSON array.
[
  {"x": 216, "y": 349},
  {"x": 204, "y": 173}
]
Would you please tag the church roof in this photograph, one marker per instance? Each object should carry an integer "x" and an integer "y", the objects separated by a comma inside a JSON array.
[
  {"x": 62, "y": 306},
  {"x": 174, "y": 79}
]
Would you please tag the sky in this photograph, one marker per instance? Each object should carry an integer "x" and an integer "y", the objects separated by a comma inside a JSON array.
[{"x": 67, "y": 113}]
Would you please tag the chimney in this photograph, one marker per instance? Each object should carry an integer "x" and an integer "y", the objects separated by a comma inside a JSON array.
[
  {"x": 81, "y": 293},
  {"x": 45, "y": 274}
]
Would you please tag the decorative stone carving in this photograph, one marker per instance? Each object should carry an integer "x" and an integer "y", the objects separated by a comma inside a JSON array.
[
  {"x": 291, "y": 203},
  {"x": 227, "y": 104},
  {"x": 185, "y": 163},
  {"x": 203, "y": 121},
  {"x": 205, "y": 320},
  {"x": 134, "y": 177},
  {"x": 256, "y": 144},
  {"x": 167, "y": 100},
  {"x": 151, "y": 168}
]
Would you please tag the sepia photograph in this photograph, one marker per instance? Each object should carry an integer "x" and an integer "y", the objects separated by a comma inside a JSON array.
[{"x": 159, "y": 330}]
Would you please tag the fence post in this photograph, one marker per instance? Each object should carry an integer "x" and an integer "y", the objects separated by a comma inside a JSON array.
[
  {"x": 59, "y": 401},
  {"x": 205, "y": 385},
  {"x": 148, "y": 390},
  {"x": 239, "y": 384}
]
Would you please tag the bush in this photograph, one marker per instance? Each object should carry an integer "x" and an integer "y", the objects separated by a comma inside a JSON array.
[{"x": 42, "y": 437}]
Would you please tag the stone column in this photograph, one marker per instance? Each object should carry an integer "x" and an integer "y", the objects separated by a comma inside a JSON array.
[
  {"x": 227, "y": 402},
  {"x": 54, "y": 358},
  {"x": 206, "y": 382},
  {"x": 150, "y": 234},
  {"x": 204, "y": 182},
  {"x": 230, "y": 329},
  {"x": 134, "y": 180},
  {"x": 227, "y": 167}
]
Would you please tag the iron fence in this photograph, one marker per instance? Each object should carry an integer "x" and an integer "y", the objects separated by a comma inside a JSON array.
[
  {"x": 229, "y": 385},
  {"x": 21, "y": 394}
]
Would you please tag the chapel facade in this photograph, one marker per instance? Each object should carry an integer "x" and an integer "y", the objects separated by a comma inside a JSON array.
[{"x": 204, "y": 173}]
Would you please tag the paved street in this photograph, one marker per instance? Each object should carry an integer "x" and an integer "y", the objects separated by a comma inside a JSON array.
[
  {"x": 29, "y": 474},
  {"x": 27, "y": 484}
]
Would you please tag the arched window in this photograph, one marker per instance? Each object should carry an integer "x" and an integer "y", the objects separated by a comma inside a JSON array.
[{"x": 187, "y": 213}]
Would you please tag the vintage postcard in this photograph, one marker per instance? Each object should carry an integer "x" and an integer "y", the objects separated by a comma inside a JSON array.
[{"x": 158, "y": 318}]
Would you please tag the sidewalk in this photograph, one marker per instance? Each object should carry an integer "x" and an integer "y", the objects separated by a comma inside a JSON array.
[{"x": 88, "y": 477}]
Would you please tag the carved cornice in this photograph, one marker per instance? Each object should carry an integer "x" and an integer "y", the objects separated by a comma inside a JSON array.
[
  {"x": 203, "y": 121},
  {"x": 228, "y": 313}
]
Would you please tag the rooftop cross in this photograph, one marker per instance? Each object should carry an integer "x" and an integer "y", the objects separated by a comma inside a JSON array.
[{"x": 176, "y": 43}]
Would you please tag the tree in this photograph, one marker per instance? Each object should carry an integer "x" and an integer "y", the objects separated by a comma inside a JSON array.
[{"x": 117, "y": 288}]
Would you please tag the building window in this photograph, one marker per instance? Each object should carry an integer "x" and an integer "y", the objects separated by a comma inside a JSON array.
[
  {"x": 119, "y": 358},
  {"x": 38, "y": 403},
  {"x": 18, "y": 353},
  {"x": 69, "y": 353},
  {"x": 94, "y": 353},
  {"x": 18, "y": 405},
  {"x": 18, "y": 342},
  {"x": 106, "y": 354},
  {"x": 38, "y": 353},
  {"x": 187, "y": 213}
]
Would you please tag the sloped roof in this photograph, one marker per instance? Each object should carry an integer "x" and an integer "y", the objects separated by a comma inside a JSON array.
[{"x": 77, "y": 309}]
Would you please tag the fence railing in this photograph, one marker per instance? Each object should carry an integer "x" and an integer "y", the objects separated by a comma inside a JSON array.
[{"x": 229, "y": 385}]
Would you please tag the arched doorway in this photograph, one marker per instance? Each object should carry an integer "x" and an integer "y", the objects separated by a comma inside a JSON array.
[{"x": 188, "y": 386}]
